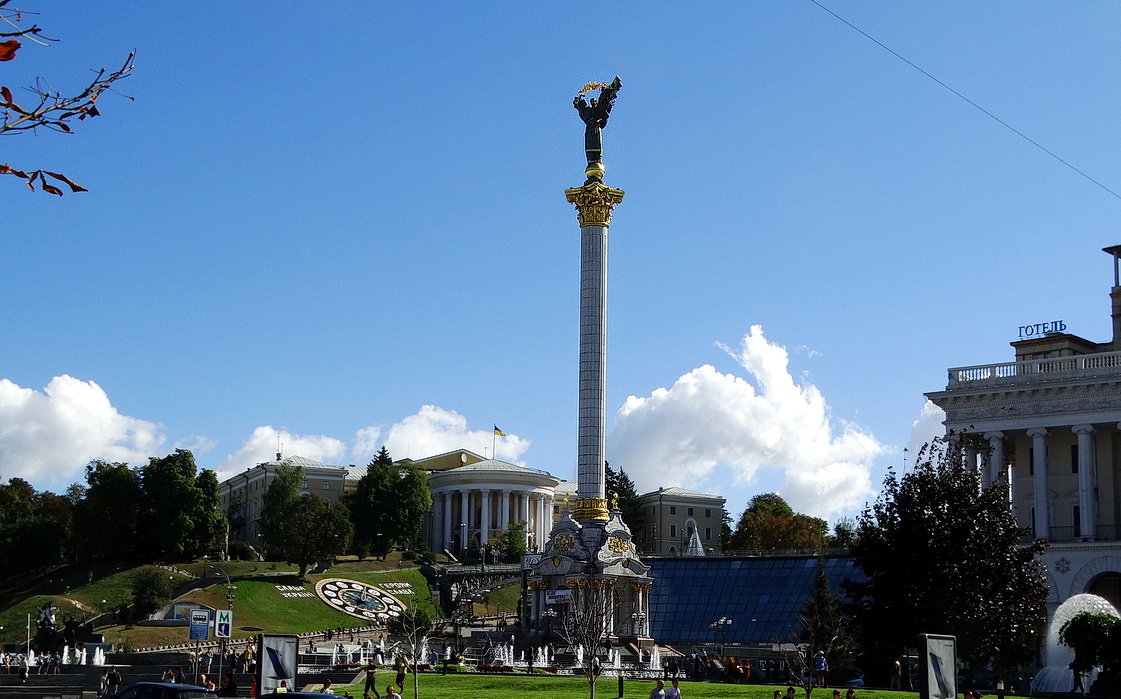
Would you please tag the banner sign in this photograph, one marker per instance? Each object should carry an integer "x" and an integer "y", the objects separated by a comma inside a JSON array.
[
  {"x": 277, "y": 658},
  {"x": 530, "y": 560},
  {"x": 939, "y": 661},
  {"x": 223, "y": 623},
  {"x": 200, "y": 625}
]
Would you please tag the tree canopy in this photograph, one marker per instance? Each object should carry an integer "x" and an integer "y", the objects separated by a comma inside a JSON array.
[
  {"x": 620, "y": 485},
  {"x": 389, "y": 505},
  {"x": 769, "y": 523},
  {"x": 942, "y": 556}
]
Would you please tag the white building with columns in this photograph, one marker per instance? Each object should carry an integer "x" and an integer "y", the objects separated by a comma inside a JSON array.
[
  {"x": 476, "y": 501},
  {"x": 1050, "y": 423}
]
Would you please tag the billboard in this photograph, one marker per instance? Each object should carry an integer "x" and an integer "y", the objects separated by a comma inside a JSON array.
[
  {"x": 939, "y": 660},
  {"x": 277, "y": 662}
]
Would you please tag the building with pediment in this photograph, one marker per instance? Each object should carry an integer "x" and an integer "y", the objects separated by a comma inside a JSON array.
[{"x": 1048, "y": 423}]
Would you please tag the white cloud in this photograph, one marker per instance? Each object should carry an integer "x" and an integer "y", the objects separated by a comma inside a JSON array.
[
  {"x": 434, "y": 430},
  {"x": 366, "y": 444},
  {"x": 48, "y": 436},
  {"x": 926, "y": 428},
  {"x": 262, "y": 446},
  {"x": 680, "y": 435}
]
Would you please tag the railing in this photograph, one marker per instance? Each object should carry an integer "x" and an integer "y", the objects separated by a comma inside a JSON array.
[
  {"x": 1056, "y": 368},
  {"x": 1103, "y": 532}
]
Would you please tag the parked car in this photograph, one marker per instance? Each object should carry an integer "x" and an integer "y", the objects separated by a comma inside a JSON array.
[
  {"x": 296, "y": 695},
  {"x": 165, "y": 690}
]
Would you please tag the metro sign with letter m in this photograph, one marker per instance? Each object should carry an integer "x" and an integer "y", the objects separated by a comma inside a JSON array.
[{"x": 223, "y": 623}]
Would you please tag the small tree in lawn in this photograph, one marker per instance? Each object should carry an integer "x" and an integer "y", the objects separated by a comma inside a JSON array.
[
  {"x": 587, "y": 622},
  {"x": 511, "y": 543},
  {"x": 799, "y": 659},
  {"x": 415, "y": 626},
  {"x": 1096, "y": 640}
]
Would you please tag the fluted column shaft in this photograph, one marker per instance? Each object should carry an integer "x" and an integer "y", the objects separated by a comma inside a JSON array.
[
  {"x": 1087, "y": 467},
  {"x": 1039, "y": 482}
]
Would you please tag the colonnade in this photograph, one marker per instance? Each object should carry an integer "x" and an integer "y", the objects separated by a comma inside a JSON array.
[
  {"x": 461, "y": 514},
  {"x": 994, "y": 464}
]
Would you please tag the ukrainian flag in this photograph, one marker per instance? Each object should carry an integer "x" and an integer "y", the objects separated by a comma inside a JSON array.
[{"x": 499, "y": 432}]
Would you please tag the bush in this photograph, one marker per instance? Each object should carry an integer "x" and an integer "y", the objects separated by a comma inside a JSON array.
[
  {"x": 408, "y": 555},
  {"x": 242, "y": 551}
]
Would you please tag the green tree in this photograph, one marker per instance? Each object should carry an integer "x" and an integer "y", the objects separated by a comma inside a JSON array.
[
  {"x": 389, "y": 505},
  {"x": 769, "y": 523},
  {"x": 317, "y": 531},
  {"x": 177, "y": 519},
  {"x": 276, "y": 506},
  {"x": 844, "y": 533},
  {"x": 1095, "y": 639},
  {"x": 34, "y": 526},
  {"x": 209, "y": 520},
  {"x": 942, "y": 556},
  {"x": 824, "y": 626},
  {"x": 620, "y": 485},
  {"x": 511, "y": 543},
  {"x": 107, "y": 519},
  {"x": 414, "y": 626},
  {"x": 151, "y": 589}
]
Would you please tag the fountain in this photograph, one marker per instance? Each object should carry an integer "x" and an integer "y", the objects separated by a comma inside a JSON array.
[
  {"x": 579, "y": 656},
  {"x": 655, "y": 658},
  {"x": 1057, "y": 675},
  {"x": 616, "y": 659},
  {"x": 98, "y": 656}
]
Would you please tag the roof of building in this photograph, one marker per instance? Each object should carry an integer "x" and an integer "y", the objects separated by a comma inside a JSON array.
[
  {"x": 676, "y": 492},
  {"x": 455, "y": 458},
  {"x": 303, "y": 462},
  {"x": 496, "y": 465},
  {"x": 762, "y": 596}
]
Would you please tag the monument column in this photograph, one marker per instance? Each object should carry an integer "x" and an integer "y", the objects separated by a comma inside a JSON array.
[
  {"x": 594, "y": 202},
  {"x": 1039, "y": 482},
  {"x": 504, "y": 513}
]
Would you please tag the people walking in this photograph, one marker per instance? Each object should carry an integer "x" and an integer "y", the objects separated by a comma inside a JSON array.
[{"x": 659, "y": 691}]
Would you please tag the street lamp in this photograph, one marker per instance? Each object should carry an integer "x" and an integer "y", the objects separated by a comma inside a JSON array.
[{"x": 720, "y": 625}]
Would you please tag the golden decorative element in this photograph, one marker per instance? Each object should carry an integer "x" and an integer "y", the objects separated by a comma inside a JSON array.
[
  {"x": 594, "y": 203},
  {"x": 617, "y": 544},
  {"x": 605, "y": 583},
  {"x": 563, "y": 543},
  {"x": 591, "y": 86},
  {"x": 640, "y": 586},
  {"x": 556, "y": 562},
  {"x": 591, "y": 508},
  {"x": 614, "y": 501},
  {"x": 577, "y": 582},
  {"x": 538, "y": 584}
]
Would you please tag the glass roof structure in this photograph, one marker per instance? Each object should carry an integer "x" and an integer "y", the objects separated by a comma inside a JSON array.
[{"x": 762, "y": 596}]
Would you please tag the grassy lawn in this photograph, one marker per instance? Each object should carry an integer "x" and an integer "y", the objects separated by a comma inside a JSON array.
[
  {"x": 259, "y": 605},
  {"x": 468, "y": 686}
]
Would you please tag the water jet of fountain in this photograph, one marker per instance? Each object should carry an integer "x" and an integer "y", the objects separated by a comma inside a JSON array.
[{"x": 1057, "y": 675}]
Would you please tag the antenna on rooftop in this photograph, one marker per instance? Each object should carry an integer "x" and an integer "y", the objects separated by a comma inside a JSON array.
[{"x": 278, "y": 447}]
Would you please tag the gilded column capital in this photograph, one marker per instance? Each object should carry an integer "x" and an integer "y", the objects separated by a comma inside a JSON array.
[{"x": 594, "y": 203}]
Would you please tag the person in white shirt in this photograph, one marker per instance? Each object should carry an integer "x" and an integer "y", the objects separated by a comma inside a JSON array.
[
  {"x": 659, "y": 691},
  {"x": 674, "y": 692}
]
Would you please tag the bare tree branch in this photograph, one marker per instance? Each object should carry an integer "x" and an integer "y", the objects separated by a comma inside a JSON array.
[{"x": 49, "y": 109}]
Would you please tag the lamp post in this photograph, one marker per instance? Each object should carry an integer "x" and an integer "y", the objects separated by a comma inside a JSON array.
[{"x": 720, "y": 626}]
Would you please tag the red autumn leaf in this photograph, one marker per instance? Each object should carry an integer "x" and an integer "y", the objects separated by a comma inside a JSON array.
[
  {"x": 63, "y": 125},
  {"x": 6, "y": 94},
  {"x": 52, "y": 189},
  {"x": 74, "y": 186},
  {"x": 8, "y": 49}
]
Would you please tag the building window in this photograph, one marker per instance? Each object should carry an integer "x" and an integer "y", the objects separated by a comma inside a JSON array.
[
  {"x": 1076, "y": 511},
  {"x": 1033, "y": 535},
  {"x": 305, "y": 484},
  {"x": 673, "y": 531},
  {"x": 1031, "y": 467},
  {"x": 708, "y": 533},
  {"x": 326, "y": 485},
  {"x": 690, "y": 511},
  {"x": 672, "y": 510},
  {"x": 1074, "y": 458},
  {"x": 708, "y": 513}
]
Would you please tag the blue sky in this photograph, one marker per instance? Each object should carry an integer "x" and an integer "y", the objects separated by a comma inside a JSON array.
[{"x": 318, "y": 220}]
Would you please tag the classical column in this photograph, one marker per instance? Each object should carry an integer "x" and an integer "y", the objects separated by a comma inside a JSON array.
[
  {"x": 504, "y": 513},
  {"x": 464, "y": 518},
  {"x": 484, "y": 519},
  {"x": 1087, "y": 477},
  {"x": 447, "y": 523},
  {"x": 1039, "y": 482},
  {"x": 970, "y": 457},
  {"x": 996, "y": 457},
  {"x": 524, "y": 496}
]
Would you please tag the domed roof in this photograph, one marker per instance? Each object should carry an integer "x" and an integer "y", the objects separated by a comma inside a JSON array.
[{"x": 493, "y": 470}]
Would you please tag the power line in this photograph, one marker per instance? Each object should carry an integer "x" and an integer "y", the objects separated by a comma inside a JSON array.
[{"x": 984, "y": 111}]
